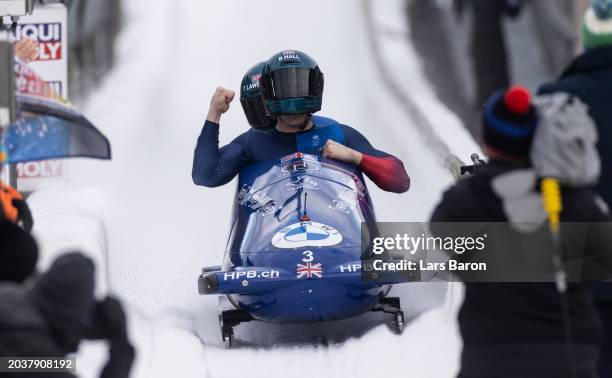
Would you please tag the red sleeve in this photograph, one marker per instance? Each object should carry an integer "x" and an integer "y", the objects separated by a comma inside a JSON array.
[{"x": 387, "y": 172}]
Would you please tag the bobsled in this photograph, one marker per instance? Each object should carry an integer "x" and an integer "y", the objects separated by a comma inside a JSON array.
[{"x": 294, "y": 252}]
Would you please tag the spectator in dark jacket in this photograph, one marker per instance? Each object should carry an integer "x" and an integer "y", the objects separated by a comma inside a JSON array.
[
  {"x": 589, "y": 77},
  {"x": 51, "y": 318},
  {"x": 517, "y": 329}
]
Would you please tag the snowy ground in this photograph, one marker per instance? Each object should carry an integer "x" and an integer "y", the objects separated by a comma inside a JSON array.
[{"x": 151, "y": 230}]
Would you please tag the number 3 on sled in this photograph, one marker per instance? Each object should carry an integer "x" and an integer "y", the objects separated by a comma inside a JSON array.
[{"x": 308, "y": 270}]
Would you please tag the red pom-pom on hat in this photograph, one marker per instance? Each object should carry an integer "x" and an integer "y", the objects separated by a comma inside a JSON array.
[{"x": 518, "y": 99}]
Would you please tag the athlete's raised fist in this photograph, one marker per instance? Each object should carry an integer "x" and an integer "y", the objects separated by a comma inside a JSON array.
[{"x": 220, "y": 103}]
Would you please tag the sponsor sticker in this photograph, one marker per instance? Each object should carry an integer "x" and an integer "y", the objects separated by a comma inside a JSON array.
[
  {"x": 345, "y": 200},
  {"x": 38, "y": 169},
  {"x": 250, "y": 274},
  {"x": 257, "y": 201},
  {"x": 302, "y": 182},
  {"x": 306, "y": 234},
  {"x": 350, "y": 268},
  {"x": 301, "y": 165}
]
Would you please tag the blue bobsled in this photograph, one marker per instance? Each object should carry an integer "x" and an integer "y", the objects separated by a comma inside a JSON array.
[{"x": 294, "y": 250}]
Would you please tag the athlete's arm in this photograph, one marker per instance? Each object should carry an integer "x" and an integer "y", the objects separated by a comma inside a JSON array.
[
  {"x": 385, "y": 170},
  {"x": 214, "y": 166}
]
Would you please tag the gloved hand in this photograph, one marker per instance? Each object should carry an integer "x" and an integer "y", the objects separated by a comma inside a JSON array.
[
  {"x": 111, "y": 324},
  {"x": 109, "y": 321}
]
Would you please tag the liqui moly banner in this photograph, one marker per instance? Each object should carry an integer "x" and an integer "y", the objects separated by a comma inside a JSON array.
[{"x": 48, "y": 25}]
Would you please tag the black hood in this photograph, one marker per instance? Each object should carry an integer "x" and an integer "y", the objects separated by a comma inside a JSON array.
[
  {"x": 18, "y": 252},
  {"x": 65, "y": 297},
  {"x": 480, "y": 186}
]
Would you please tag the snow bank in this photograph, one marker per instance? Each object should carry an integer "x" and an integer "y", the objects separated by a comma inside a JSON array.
[{"x": 69, "y": 220}]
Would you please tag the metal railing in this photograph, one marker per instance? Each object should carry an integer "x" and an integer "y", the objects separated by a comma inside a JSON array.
[{"x": 7, "y": 95}]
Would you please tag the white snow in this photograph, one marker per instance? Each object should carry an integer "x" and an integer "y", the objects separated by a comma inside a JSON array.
[{"x": 150, "y": 230}]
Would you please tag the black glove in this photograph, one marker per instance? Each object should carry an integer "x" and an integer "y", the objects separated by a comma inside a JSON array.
[{"x": 109, "y": 322}]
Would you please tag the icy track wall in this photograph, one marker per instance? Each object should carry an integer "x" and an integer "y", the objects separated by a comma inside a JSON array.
[{"x": 161, "y": 228}]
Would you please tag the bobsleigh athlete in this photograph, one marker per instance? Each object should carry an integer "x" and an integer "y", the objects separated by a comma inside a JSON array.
[{"x": 279, "y": 98}]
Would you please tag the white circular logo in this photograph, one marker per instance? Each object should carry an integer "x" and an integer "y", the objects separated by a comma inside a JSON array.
[{"x": 306, "y": 234}]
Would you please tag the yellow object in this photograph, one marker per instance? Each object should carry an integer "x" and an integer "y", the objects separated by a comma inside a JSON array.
[{"x": 553, "y": 204}]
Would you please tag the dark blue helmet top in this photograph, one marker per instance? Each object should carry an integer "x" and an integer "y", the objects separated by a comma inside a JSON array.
[{"x": 292, "y": 83}]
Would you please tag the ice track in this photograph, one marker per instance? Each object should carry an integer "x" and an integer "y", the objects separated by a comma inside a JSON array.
[{"x": 150, "y": 229}]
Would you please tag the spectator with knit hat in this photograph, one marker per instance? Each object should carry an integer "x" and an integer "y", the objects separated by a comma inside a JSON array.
[
  {"x": 589, "y": 77},
  {"x": 516, "y": 329}
]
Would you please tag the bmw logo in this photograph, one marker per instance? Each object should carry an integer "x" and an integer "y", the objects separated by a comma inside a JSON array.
[{"x": 306, "y": 234}]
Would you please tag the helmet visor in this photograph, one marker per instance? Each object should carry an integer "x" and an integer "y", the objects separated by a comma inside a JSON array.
[
  {"x": 296, "y": 82},
  {"x": 255, "y": 112}
]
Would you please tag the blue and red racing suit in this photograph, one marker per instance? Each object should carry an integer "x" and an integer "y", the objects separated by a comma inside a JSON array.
[{"x": 214, "y": 166}]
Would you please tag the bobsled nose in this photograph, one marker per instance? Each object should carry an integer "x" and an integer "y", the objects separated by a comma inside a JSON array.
[
  {"x": 248, "y": 280},
  {"x": 208, "y": 283},
  {"x": 243, "y": 280}
]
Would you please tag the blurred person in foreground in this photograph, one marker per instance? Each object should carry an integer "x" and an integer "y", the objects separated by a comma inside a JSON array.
[
  {"x": 58, "y": 311},
  {"x": 518, "y": 329},
  {"x": 47, "y": 316},
  {"x": 589, "y": 77},
  {"x": 290, "y": 84}
]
